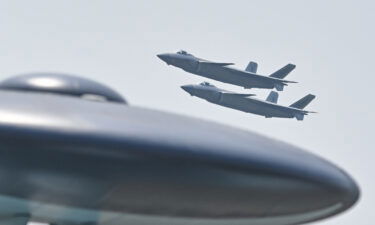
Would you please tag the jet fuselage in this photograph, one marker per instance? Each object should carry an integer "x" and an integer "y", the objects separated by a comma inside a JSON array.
[
  {"x": 250, "y": 105},
  {"x": 220, "y": 72}
]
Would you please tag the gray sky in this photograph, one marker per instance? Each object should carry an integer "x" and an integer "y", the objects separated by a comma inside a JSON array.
[{"x": 115, "y": 42}]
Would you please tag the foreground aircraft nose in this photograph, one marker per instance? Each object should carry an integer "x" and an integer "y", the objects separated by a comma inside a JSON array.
[
  {"x": 188, "y": 88},
  {"x": 348, "y": 191},
  {"x": 165, "y": 57},
  {"x": 337, "y": 189}
]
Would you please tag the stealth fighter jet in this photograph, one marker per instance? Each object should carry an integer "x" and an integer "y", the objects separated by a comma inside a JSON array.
[
  {"x": 268, "y": 108},
  {"x": 247, "y": 78}
]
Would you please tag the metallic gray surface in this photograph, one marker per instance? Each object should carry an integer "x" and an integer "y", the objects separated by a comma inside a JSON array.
[
  {"x": 64, "y": 154},
  {"x": 61, "y": 84}
]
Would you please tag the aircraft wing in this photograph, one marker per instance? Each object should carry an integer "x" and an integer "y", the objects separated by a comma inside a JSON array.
[
  {"x": 247, "y": 75},
  {"x": 215, "y": 63},
  {"x": 238, "y": 94}
]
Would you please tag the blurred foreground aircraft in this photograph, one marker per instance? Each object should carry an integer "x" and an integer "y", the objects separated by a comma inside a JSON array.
[
  {"x": 221, "y": 72},
  {"x": 73, "y": 152}
]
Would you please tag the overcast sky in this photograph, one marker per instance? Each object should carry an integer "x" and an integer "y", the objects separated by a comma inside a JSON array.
[{"x": 116, "y": 42}]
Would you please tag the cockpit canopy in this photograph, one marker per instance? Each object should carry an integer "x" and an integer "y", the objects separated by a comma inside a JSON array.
[
  {"x": 183, "y": 52},
  {"x": 62, "y": 84},
  {"x": 206, "y": 84}
]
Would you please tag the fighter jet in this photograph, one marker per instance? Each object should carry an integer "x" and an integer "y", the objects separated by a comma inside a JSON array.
[
  {"x": 268, "y": 108},
  {"x": 247, "y": 78},
  {"x": 74, "y": 152}
]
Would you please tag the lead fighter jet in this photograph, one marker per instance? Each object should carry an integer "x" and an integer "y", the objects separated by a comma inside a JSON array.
[
  {"x": 268, "y": 108},
  {"x": 222, "y": 72}
]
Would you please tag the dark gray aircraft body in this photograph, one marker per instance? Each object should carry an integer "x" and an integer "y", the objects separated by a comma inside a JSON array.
[
  {"x": 74, "y": 153},
  {"x": 223, "y": 73},
  {"x": 268, "y": 108}
]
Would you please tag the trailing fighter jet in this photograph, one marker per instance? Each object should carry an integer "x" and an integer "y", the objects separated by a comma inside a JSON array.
[
  {"x": 247, "y": 78},
  {"x": 268, "y": 108},
  {"x": 73, "y": 152}
]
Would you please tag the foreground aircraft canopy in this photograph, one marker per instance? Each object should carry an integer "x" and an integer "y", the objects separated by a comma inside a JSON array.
[
  {"x": 222, "y": 72},
  {"x": 74, "y": 153},
  {"x": 268, "y": 108}
]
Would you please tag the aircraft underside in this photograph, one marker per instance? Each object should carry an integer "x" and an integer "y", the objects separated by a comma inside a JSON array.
[{"x": 15, "y": 211}]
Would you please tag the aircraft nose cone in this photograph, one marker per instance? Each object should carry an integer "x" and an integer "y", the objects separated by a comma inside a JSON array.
[
  {"x": 322, "y": 187},
  {"x": 346, "y": 190},
  {"x": 333, "y": 191},
  {"x": 187, "y": 88},
  {"x": 165, "y": 57}
]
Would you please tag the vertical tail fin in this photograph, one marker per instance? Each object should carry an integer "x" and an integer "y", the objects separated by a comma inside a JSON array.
[
  {"x": 273, "y": 97},
  {"x": 252, "y": 67},
  {"x": 283, "y": 72},
  {"x": 303, "y": 102}
]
